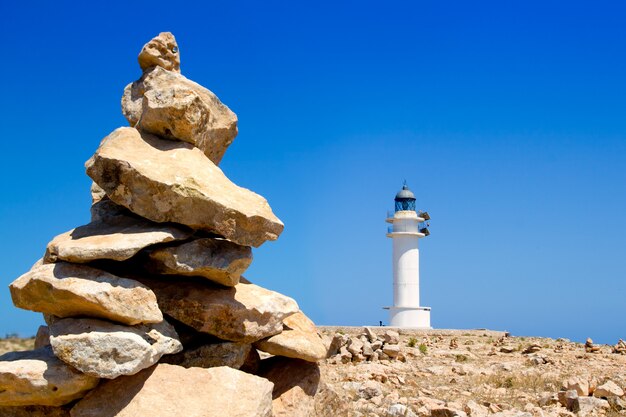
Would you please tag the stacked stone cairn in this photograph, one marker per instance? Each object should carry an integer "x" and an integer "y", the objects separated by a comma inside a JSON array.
[
  {"x": 146, "y": 307},
  {"x": 366, "y": 347}
]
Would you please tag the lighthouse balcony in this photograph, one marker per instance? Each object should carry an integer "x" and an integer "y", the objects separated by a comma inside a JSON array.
[
  {"x": 404, "y": 231},
  {"x": 403, "y": 214}
]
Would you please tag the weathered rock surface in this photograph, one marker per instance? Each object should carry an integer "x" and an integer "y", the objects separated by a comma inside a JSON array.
[
  {"x": 173, "y": 107},
  {"x": 218, "y": 260},
  {"x": 229, "y": 354},
  {"x": 299, "y": 340},
  {"x": 35, "y": 411},
  {"x": 244, "y": 313},
  {"x": 38, "y": 377},
  {"x": 162, "y": 51},
  {"x": 608, "y": 389},
  {"x": 117, "y": 237},
  {"x": 68, "y": 290},
  {"x": 106, "y": 350},
  {"x": 168, "y": 390},
  {"x": 167, "y": 181},
  {"x": 42, "y": 338},
  {"x": 295, "y": 384}
]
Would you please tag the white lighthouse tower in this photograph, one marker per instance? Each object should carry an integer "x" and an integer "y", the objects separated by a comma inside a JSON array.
[{"x": 407, "y": 228}]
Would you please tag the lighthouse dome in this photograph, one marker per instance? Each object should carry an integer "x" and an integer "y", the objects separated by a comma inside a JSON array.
[
  {"x": 405, "y": 193},
  {"x": 405, "y": 199}
]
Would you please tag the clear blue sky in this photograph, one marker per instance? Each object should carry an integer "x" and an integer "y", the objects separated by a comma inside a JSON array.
[{"x": 508, "y": 120}]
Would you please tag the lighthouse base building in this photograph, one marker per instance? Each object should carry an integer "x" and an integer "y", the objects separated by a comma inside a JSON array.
[{"x": 407, "y": 227}]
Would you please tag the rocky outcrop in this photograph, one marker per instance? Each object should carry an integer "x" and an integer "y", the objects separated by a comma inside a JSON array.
[
  {"x": 169, "y": 390},
  {"x": 217, "y": 260},
  {"x": 244, "y": 313},
  {"x": 107, "y": 350},
  {"x": 39, "y": 378},
  {"x": 67, "y": 290},
  {"x": 168, "y": 181}
]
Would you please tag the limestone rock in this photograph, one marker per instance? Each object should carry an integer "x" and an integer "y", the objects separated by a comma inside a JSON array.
[
  {"x": 118, "y": 238},
  {"x": 171, "y": 106},
  {"x": 37, "y": 377},
  {"x": 42, "y": 338},
  {"x": 169, "y": 390},
  {"x": 608, "y": 389},
  {"x": 105, "y": 209},
  {"x": 167, "y": 181},
  {"x": 578, "y": 384},
  {"x": 218, "y": 260},
  {"x": 244, "y": 313},
  {"x": 162, "y": 51},
  {"x": 296, "y": 341},
  {"x": 106, "y": 350},
  {"x": 295, "y": 384},
  {"x": 35, "y": 411},
  {"x": 392, "y": 337},
  {"x": 67, "y": 290},
  {"x": 97, "y": 193},
  {"x": 230, "y": 354},
  {"x": 294, "y": 344}
]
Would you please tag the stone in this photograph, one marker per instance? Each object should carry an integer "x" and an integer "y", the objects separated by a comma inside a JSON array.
[
  {"x": 298, "y": 340},
  {"x": 578, "y": 384},
  {"x": 608, "y": 389},
  {"x": 67, "y": 290},
  {"x": 344, "y": 355},
  {"x": 474, "y": 409},
  {"x": 338, "y": 341},
  {"x": 355, "y": 346},
  {"x": 229, "y": 354},
  {"x": 35, "y": 411},
  {"x": 568, "y": 398},
  {"x": 218, "y": 260},
  {"x": 161, "y": 51},
  {"x": 37, "y": 377},
  {"x": 168, "y": 390},
  {"x": 367, "y": 349},
  {"x": 391, "y": 337},
  {"x": 105, "y": 209},
  {"x": 391, "y": 350},
  {"x": 244, "y": 313},
  {"x": 447, "y": 412},
  {"x": 400, "y": 410},
  {"x": 587, "y": 406},
  {"x": 117, "y": 238},
  {"x": 97, "y": 193},
  {"x": 106, "y": 350},
  {"x": 296, "y": 382},
  {"x": 42, "y": 338},
  {"x": 167, "y": 181},
  {"x": 369, "y": 333},
  {"x": 173, "y": 107},
  {"x": 294, "y": 344}
]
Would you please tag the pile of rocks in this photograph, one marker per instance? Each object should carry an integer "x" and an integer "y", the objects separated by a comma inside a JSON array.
[
  {"x": 365, "y": 347},
  {"x": 585, "y": 397},
  {"x": 146, "y": 306}
]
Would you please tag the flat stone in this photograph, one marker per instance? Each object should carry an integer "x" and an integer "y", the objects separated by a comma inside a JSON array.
[
  {"x": 295, "y": 384},
  {"x": 167, "y": 181},
  {"x": 169, "y": 390},
  {"x": 67, "y": 290},
  {"x": 161, "y": 51},
  {"x": 218, "y": 260},
  {"x": 37, "y": 377},
  {"x": 173, "y": 107},
  {"x": 230, "y": 354},
  {"x": 294, "y": 344},
  {"x": 118, "y": 238},
  {"x": 244, "y": 313},
  {"x": 608, "y": 389},
  {"x": 106, "y": 350}
]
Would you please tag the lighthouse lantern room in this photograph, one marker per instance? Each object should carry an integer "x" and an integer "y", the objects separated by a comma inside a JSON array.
[{"x": 407, "y": 227}]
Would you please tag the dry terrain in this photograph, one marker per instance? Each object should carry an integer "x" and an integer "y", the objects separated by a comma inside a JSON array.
[{"x": 457, "y": 373}]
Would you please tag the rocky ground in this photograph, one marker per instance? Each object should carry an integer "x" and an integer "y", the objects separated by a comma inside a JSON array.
[
  {"x": 458, "y": 373},
  {"x": 474, "y": 373}
]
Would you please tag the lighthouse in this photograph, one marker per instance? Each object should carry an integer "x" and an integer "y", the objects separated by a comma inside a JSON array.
[{"x": 407, "y": 228}]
